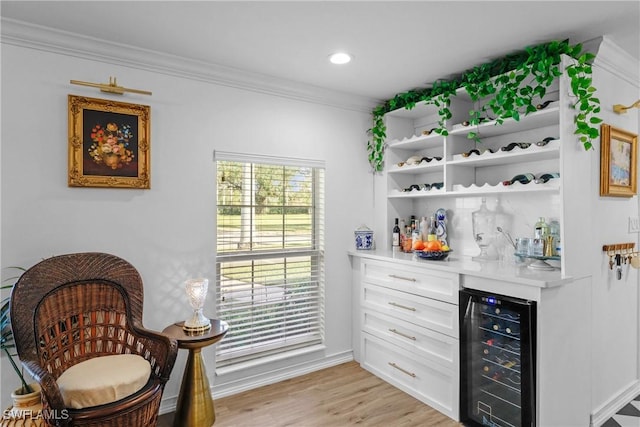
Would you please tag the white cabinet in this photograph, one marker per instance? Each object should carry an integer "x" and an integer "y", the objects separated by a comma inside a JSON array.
[{"x": 409, "y": 330}]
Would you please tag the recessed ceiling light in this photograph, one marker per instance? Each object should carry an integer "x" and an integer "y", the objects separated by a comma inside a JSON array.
[{"x": 340, "y": 58}]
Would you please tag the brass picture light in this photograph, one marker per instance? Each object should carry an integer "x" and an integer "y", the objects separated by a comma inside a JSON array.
[
  {"x": 111, "y": 87},
  {"x": 621, "y": 109}
]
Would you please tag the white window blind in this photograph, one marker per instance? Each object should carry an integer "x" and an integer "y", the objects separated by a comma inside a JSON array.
[{"x": 269, "y": 255}]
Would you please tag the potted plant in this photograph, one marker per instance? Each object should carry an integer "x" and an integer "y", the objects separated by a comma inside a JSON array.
[{"x": 27, "y": 396}]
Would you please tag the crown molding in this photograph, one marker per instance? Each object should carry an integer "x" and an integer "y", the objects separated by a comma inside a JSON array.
[
  {"x": 27, "y": 35},
  {"x": 612, "y": 58}
]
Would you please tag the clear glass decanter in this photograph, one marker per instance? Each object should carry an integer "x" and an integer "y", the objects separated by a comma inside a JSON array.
[{"x": 484, "y": 232}]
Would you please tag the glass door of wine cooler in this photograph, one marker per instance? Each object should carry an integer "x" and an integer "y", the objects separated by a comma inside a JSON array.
[{"x": 497, "y": 366}]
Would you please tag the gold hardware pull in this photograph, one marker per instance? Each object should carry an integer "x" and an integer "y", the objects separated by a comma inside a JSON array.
[
  {"x": 411, "y": 374},
  {"x": 395, "y": 331},
  {"x": 408, "y": 279},
  {"x": 395, "y": 304}
]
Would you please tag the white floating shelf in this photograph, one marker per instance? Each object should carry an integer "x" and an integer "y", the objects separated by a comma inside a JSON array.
[
  {"x": 529, "y": 154},
  {"x": 418, "y": 142},
  {"x": 542, "y": 118},
  {"x": 479, "y": 190},
  {"x": 424, "y": 167}
]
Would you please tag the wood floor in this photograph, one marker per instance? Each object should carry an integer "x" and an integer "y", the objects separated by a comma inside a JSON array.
[{"x": 343, "y": 395}]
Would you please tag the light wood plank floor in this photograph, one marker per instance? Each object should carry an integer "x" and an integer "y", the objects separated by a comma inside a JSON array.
[{"x": 342, "y": 395}]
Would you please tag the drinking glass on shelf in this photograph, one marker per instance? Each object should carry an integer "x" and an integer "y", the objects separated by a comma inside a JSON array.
[{"x": 524, "y": 246}]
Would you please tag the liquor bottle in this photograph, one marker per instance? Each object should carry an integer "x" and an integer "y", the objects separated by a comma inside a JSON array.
[
  {"x": 524, "y": 178},
  {"x": 424, "y": 229},
  {"x": 546, "y": 177},
  {"x": 408, "y": 242},
  {"x": 541, "y": 229},
  {"x": 415, "y": 237},
  {"x": 554, "y": 230},
  {"x": 396, "y": 235},
  {"x": 441, "y": 226},
  {"x": 431, "y": 232}
]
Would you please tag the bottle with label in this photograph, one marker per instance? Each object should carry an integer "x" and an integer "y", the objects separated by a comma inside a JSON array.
[
  {"x": 432, "y": 229},
  {"x": 424, "y": 229},
  {"x": 408, "y": 242},
  {"x": 395, "y": 243},
  {"x": 524, "y": 178},
  {"x": 541, "y": 229},
  {"x": 554, "y": 230},
  {"x": 415, "y": 237}
]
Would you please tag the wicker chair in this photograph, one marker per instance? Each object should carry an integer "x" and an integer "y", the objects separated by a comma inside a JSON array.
[{"x": 70, "y": 308}]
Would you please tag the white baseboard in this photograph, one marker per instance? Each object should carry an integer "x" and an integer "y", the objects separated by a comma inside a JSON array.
[
  {"x": 168, "y": 404},
  {"x": 600, "y": 415}
]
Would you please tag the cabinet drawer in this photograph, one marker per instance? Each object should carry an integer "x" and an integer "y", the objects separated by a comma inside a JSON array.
[
  {"x": 440, "y": 285},
  {"x": 433, "y": 346},
  {"x": 428, "y": 382},
  {"x": 428, "y": 313}
]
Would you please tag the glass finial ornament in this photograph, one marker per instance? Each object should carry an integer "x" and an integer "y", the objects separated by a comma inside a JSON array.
[
  {"x": 484, "y": 232},
  {"x": 197, "y": 292}
]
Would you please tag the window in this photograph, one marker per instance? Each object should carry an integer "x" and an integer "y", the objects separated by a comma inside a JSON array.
[{"x": 269, "y": 255}]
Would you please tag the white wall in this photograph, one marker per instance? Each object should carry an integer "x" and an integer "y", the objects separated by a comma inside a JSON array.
[
  {"x": 615, "y": 311},
  {"x": 167, "y": 232}
]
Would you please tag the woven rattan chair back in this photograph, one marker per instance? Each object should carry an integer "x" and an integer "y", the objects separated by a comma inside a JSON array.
[{"x": 71, "y": 308}]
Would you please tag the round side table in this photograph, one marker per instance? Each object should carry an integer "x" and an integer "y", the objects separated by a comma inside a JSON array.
[{"x": 195, "y": 404}]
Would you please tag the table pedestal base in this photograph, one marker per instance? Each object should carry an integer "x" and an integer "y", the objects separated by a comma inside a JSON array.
[{"x": 195, "y": 404}]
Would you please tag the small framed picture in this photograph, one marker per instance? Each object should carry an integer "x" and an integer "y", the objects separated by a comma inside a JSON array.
[
  {"x": 109, "y": 143},
  {"x": 618, "y": 162}
]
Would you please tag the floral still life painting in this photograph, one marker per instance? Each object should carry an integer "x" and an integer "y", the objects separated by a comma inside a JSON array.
[{"x": 109, "y": 143}]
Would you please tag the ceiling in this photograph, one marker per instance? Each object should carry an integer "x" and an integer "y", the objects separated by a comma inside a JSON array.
[{"x": 397, "y": 45}]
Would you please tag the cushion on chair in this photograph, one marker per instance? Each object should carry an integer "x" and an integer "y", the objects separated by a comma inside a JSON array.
[{"x": 103, "y": 380}]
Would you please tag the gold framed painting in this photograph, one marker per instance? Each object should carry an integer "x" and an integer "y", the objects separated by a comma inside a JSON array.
[
  {"x": 618, "y": 162},
  {"x": 109, "y": 143}
]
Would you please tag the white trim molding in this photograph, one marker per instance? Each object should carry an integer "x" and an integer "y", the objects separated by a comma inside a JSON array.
[
  {"x": 27, "y": 35},
  {"x": 608, "y": 409},
  {"x": 617, "y": 61}
]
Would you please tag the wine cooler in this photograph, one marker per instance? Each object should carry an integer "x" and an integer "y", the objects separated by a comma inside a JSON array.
[{"x": 497, "y": 360}]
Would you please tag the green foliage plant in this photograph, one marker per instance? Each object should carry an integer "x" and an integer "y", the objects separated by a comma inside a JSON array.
[
  {"x": 7, "y": 343},
  {"x": 510, "y": 85}
]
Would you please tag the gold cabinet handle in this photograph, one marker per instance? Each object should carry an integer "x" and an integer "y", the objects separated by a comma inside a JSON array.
[
  {"x": 408, "y": 279},
  {"x": 395, "y": 331},
  {"x": 411, "y": 374},
  {"x": 395, "y": 304}
]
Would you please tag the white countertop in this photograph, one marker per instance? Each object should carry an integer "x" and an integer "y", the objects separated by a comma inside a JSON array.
[{"x": 494, "y": 270}]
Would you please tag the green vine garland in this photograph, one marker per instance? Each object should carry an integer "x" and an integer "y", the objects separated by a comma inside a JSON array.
[{"x": 503, "y": 80}]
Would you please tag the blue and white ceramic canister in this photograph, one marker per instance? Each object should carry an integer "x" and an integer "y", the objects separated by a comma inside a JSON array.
[{"x": 364, "y": 238}]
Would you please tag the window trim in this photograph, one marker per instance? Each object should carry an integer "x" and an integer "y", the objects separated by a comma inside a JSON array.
[{"x": 315, "y": 253}]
